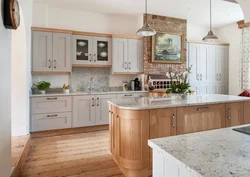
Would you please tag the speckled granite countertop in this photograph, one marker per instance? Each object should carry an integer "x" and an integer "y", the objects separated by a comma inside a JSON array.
[
  {"x": 191, "y": 100},
  {"x": 215, "y": 153},
  {"x": 85, "y": 93}
]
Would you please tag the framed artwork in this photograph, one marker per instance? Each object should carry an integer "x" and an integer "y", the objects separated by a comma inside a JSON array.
[{"x": 167, "y": 48}]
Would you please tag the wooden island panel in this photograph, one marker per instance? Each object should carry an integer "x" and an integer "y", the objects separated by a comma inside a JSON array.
[
  {"x": 200, "y": 118},
  {"x": 234, "y": 114},
  {"x": 247, "y": 112}
]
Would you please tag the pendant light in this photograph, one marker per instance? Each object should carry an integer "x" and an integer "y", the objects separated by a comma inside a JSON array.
[
  {"x": 210, "y": 37},
  {"x": 146, "y": 30}
]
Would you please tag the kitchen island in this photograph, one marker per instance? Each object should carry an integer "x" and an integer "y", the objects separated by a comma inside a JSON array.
[
  {"x": 132, "y": 122},
  {"x": 216, "y": 153}
]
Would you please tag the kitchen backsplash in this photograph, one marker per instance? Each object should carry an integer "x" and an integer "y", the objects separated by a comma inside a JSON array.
[{"x": 80, "y": 77}]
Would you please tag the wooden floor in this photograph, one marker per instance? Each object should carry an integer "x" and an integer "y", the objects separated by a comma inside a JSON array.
[{"x": 75, "y": 155}]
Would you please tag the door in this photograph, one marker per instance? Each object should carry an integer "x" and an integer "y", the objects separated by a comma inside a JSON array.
[
  {"x": 193, "y": 61},
  {"x": 203, "y": 63},
  {"x": 82, "y": 49},
  {"x": 102, "y": 107},
  {"x": 213, "y": 64},
  {"x": 200, "y": 118},
  {"x": 119, "y": 55},
  {"x": 61, "y": 52},
  {"x": 223, "y": 63},
  {"x": 234, "y": 114},
  {"x": 223, "y": 88},
  {"x": 83, "y": 111},
  {"x": 42, "y": 51},
  {"x": 102, "y": 51},
  {"x": 135, "y": 55}
]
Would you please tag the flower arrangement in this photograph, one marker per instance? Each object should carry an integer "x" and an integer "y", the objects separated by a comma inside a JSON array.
[{"x": 181, "y": 85}]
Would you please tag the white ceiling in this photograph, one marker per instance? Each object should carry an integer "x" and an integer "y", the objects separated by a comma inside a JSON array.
[{"x": 196, "y": 11}]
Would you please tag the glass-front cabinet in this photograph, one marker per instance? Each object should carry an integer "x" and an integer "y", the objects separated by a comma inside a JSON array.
[{"x": 89, "y": 50}]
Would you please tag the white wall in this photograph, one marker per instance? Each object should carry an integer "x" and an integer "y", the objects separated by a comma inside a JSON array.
[
  {"x": 196, "y": 32},
  {"x": 5, "y": 101},
  {"x": 20, "y": 74},
  {"x": 232, "y": 34}
]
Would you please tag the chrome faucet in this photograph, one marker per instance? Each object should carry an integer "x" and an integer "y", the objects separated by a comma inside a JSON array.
[{"x": 90, "y": 83}]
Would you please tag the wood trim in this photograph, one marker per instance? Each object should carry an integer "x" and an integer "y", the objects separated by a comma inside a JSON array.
[
  {"x": 91, "y": 34},
  {"x": 45, "y": 73},
  {"x": 211, "y": 43},
  {"x": 68, "y": 131},
  {"x": 128, "y": 73},
  {"x": 127, "y": 36},
  {"x": 242, "y": 24},
  {"x": 90, "y": 66},
  {"x": 18, "y": 168},
  {"x": 51, "y": 30}
]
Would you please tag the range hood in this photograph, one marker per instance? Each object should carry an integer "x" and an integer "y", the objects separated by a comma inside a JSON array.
[{"x": 244, "y": 4}]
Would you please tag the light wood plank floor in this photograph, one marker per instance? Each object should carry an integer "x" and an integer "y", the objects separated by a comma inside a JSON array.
[{"x": 75, "y": 155}]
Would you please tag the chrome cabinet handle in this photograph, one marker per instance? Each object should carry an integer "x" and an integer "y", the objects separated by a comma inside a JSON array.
[
  {"x": 52, "y": 115},
  {"x": 128, "y": 95},
  {"x": 55, "y": 64},
  {"x": 197, "y": 77},
  {"x": 94, "y": 57},
  {"x": 173, "y": 117},
  {"x": 217, "y": 77},
  {"x": 93, "y": 102},
  {"x": 97, "y": 103},
  {"x": 49, "y": 63},
  {"x": 229, "y": 114},
  {"x": 201, "y": 77},
  {"x": 51, "y": 98},
  {"x": 126, "y": 65},
  {"x": 129, "y": 65},
  {"x": 202, "y": 109}
]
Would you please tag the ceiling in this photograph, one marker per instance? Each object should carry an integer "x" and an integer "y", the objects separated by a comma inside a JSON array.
[{"x": 195, "y": 11}]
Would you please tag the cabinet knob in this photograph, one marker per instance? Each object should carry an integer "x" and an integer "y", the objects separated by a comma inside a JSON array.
[{"x": 173, "y": 117}]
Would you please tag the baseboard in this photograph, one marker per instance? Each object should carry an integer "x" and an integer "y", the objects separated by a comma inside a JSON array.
[{"x": 19, "y": 132}]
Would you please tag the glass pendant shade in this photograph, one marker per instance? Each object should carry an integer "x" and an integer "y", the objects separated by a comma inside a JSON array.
[
  {"x": 210, "y": 37},
  {"x": 146, "y": 30}
]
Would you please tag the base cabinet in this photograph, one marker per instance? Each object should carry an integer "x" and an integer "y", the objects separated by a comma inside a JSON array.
[
  {"x": 247, "y": 112},
  {"x": 234, "y": 114},
  {"x": 200, "y": 118}
]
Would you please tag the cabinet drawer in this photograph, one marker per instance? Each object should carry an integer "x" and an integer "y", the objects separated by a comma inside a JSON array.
[
  {"x": 42, "y": 122},
  {"x": 50, "y": 104},
  {"x": 128, "y": 95}
]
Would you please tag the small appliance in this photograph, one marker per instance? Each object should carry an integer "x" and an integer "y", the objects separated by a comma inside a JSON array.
[{"x": 137, "y": 84}]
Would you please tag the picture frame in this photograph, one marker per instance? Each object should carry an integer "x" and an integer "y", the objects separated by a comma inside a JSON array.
[{"x": 167, "y": 48}]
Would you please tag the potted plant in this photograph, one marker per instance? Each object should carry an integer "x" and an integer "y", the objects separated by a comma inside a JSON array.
[
  {"x": 42, "y": 86},
  {"x": 66, "y": 88},
  {"x": 181, "y": 85}
]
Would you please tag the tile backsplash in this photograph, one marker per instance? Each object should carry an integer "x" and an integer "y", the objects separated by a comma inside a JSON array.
[{"x": 80, "y": 77}]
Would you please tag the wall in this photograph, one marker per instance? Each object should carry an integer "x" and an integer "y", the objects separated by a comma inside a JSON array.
[
  {"x": 20, "y": 74},
  {"x": 5, "y": 101},
  {"x": 196, "y": 32},
  {"x": 232, "y": 34},
  {"x": 162, "y": 24}
]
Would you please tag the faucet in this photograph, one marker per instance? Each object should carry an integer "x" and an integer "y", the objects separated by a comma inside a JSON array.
[{"x": 90, "y": 83}]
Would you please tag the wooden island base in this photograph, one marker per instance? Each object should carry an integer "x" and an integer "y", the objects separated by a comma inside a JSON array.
[{"x": 130, "y": 130}]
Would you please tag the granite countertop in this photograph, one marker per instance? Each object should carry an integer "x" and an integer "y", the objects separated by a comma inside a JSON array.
[
  {"x": 85, "y": 93},
  {"x": 215, "y": 153},
  {"x": 191, "y": 100}
]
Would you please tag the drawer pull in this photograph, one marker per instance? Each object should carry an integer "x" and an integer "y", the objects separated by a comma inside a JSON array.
[
  {"x": 173, "y": 117},
  {"x": 51, "y": 98},
  {"x": 229, "y": 114},
  {"x": 52, "y": 115},
  {"x": 97, "y": 103},
  {"x": 128, "y": 95},
  {"x": 202, "y": 109},
  {"x": 93, "y": 102}
]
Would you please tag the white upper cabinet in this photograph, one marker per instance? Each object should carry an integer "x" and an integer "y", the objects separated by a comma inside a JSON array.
[
  {"x": 42, "y": 51},
  {"x": 120, "y": 55},
  {"x": 61, "y": 52},
  {"x": 210, "y": 68},
  {"x": 88, "y": 50},
  {"x": 127, "y": 55},
  {"x": 51, "y": 52}
]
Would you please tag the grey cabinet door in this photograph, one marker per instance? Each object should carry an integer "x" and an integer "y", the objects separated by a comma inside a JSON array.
[
  {"x": 42, "y": 51},
  {"x": 119, "y": 55},
  {"x": 135, "y": 55},
  {"x": 61, "y": 52}
]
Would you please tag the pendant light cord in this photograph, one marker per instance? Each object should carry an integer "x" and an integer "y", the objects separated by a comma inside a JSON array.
[
  {"x": 146, "y": 10},
  {"x": 210, "y": 15}
]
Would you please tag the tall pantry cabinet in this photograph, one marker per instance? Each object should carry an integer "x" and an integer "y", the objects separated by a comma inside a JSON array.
[{"x": 210, "y": 65}]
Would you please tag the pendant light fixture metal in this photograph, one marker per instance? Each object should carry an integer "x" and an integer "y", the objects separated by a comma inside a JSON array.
[
  {"x": 210, "y": 37},
  {"x": 146, "y": 30}
]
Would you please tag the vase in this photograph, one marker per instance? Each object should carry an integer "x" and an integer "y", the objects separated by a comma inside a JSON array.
[{"x": 42, "y": 91}]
